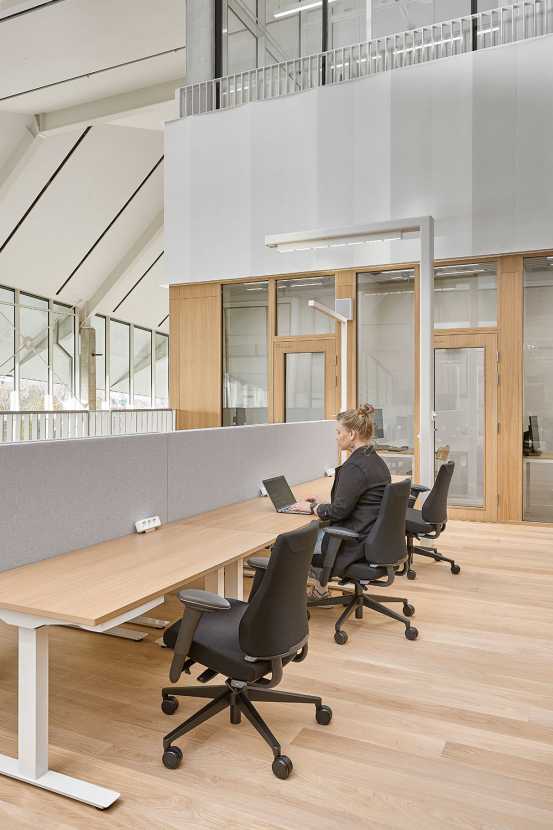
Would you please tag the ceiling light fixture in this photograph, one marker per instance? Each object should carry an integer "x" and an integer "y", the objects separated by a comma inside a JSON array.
[{"x": 303, "y": 7}]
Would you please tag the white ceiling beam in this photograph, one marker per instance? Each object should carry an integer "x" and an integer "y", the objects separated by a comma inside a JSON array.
[
  {"x": 135, "y": 251},
  {"x": 108, "y": 109},
  {"x": 18, "y": 160}
]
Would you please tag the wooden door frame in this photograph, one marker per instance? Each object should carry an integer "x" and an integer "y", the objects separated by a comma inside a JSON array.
[
  {"x": 487, "y": 339},
  {"x": 283, "y": 345}
]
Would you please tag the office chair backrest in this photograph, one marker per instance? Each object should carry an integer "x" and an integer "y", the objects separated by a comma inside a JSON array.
[
  {"x": 385, "y": 544},
  {"x": 434, "y": 509},
  {"x": 276, "y": 617}
]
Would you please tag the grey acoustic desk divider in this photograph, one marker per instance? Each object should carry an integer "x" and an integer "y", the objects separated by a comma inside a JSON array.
[{"x": 62, "y": 495}]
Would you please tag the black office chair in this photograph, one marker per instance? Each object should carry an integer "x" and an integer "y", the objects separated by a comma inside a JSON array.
[
  {"x": 385, "y": 551},
  {"x": 246, "y": 641},
  {"x": 429, "y": 522}
]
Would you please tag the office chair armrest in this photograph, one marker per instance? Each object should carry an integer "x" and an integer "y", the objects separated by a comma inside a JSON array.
[
  {"x": 416, "y": 490},
  {"x": 341, "y": 533},
  {"x": 195, "y": 598},
  {"x": 195, "y": 603},
  {"x": 258, "y": 562}
]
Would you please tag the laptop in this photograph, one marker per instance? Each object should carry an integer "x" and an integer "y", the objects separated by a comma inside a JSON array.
[{"x": 281, "y": 495}]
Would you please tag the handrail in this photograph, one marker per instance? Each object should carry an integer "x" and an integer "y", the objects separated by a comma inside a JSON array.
[
  {"x": 23, "y": 426},
  {"x": 494, "y": 27}
]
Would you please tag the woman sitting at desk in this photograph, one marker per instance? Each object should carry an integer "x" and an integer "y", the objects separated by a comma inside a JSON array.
[{"x": 357, "y": 491}]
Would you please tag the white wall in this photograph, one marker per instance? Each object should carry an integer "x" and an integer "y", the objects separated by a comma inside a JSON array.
[{"x": 466, "y": 139}]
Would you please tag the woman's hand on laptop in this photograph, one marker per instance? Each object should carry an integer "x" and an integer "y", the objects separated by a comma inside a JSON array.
[{"x": 302, "y": 506}]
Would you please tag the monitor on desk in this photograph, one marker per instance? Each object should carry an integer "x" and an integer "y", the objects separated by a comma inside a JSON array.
[{"x": 535, "y": 433}]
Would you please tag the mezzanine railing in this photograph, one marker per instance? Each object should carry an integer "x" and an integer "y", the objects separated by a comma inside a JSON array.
[
  {"x": 17, "y": 427},
  {"x": 495, "y": 27}
]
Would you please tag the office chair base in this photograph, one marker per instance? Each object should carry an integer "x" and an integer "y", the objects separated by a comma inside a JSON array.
[
  {"x": 236, "y": 696},
  {"x": 358, "y": 602},
  {"x": 432, "y": 553}
]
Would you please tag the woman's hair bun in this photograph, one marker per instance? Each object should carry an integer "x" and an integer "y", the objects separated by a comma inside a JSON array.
[
  {"x": 359, "y": 420},
  {"x": 366, "y": 409}
]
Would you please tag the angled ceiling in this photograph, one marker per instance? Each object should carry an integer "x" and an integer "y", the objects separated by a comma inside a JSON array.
[{"x": 81, "y": 202}]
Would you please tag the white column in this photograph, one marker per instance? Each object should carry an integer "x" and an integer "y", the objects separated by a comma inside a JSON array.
[
  {"x": 33, "y": 702},
  {"x": 234, "y": 580},
  {"x": 426, "y": 354},
  {"x": 200, "y": 38}
]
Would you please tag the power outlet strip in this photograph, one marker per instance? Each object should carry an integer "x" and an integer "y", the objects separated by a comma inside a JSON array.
[
  {"x": 329, "y": 472},
  {"x": 145, "y": 525}
]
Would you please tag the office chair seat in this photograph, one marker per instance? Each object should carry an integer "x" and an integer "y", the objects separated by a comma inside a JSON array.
[
  {"x": 216, "y": 644},
  {"x": 364, "y": 572},
  {"x": 414, "y": 523}
]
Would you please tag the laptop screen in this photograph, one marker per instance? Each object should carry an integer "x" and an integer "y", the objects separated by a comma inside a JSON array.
[{"x": 279, "y": 492}]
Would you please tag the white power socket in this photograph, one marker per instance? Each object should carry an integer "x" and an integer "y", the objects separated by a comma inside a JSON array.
[{"x": 145, "y": 525}]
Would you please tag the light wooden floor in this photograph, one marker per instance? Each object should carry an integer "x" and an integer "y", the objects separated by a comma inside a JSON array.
[{"x": 452, "y": 731}]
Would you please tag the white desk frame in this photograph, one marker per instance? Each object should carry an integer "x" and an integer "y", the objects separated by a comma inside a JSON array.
[{"x": 31, "y": 764}]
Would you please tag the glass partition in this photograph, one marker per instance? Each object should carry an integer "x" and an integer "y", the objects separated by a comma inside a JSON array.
[
  {"x": 7, "y": 346},
  {"x": 99, "y": 324},
  {"x": 161, "y": 370},
  {"x": 63, "y": 357},
  {"x": 142, "y": 366},
  {"x": 245, "y": 336},
  {"x": 33, "y": 352},
  {"x": 119, "y": 369},
  {"x": 386, "y": 360},
  {"x": 537, "y": 438},
  {"x": 294, "y": 316},
  {"x": 465, "y": 296}
]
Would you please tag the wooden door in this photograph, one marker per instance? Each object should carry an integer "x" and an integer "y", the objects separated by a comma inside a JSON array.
[
  {"x": 305, "y": 378},
  {"x": 465, "y": 401}
]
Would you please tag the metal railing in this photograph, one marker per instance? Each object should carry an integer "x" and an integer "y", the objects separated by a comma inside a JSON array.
[
  {"x": 495, "y": 27},
  {"x": 18, "y": 427}
]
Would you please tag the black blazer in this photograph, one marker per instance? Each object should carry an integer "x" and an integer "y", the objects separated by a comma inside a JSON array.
[{"x": 356, "y": 496}]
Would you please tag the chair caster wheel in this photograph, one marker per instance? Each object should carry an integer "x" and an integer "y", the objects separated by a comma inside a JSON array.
[
  {"x": 172, "y": 757},
  {"x": 341, "y": 638},
  {"x": 169, "y": 705},
  {"x": 455, "y": 569},
  {"x": 323, "y": 715},
  {"x": 411, "y": 633},
  {"x": 408, "y": 610},
  {"x": 282, "y": 767},
  {"x": 411, "y": 574}
]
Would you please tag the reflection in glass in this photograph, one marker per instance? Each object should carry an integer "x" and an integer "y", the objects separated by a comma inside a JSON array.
[
  {"x": 119, "y": 364},
  {"x": 386, "y": 357},
  {"x": 33, "y": 352},
  {"x": 99, "y": 324},
  {"x": 304, "y": 386},
  {"x": 7, "y": 346},
  {"x": 161, "y": 370},
  {"x": 538, "y": 386},
  {"x": 63, "y": 322},
  {"x": 465, "y": 296},
  {"x": 142, "y": 365},
  {"x": 294, "y": 316},
  {"x": 245, "y": 333},
  {"x": 459, "y": 400}
]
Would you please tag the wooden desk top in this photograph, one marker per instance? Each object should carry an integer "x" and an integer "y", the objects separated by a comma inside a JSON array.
[{"x": 96, "y": 584}]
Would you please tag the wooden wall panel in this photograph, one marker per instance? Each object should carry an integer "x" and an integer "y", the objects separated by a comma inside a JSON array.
[
  {"x": 196, "y": 354},
  {"x": 510, "y": 329},
  {"x": 346, "y": 287}
]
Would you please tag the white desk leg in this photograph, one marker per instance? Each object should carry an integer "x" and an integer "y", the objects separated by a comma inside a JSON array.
[
  {"x": 31, "y": 765},
  {"x": 234, "y": 580},
  {"x": 33, "y": 702},
  {"x": 215, "y": 582}
]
